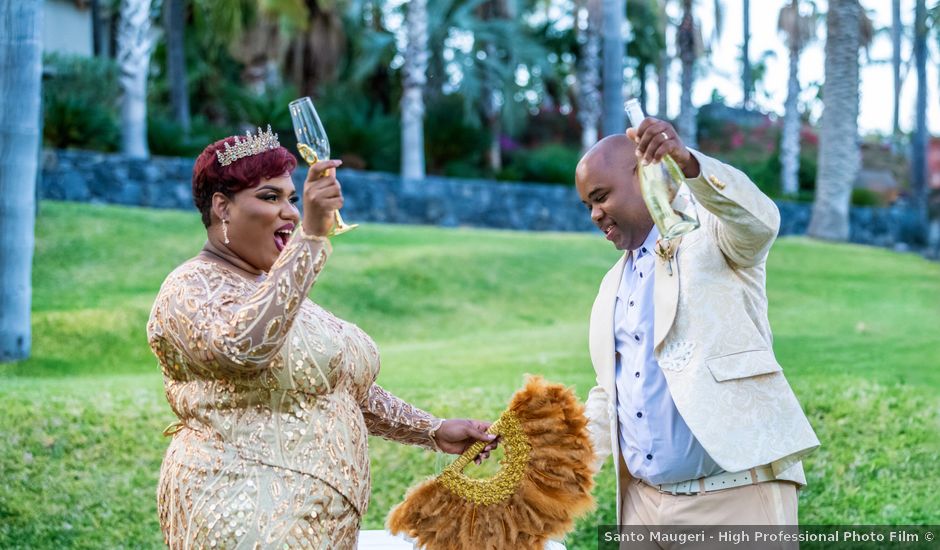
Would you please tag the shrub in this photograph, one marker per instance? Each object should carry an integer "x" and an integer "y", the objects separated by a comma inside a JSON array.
[
  {"x": 361, "y": 132},
  {"x": 866, "y": 197},
  {"x": 80, "y": 103},
  {"x": 451, "y": 139},
  {"x": 551, "y": 126},
  {"x": 246, "y": 108},
  {"x": 167, "y": 138},
  {"x": 553, "y": 163}
]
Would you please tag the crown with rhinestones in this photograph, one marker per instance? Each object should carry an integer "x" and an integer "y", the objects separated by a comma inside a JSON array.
[{"x": 250, "y": 145}]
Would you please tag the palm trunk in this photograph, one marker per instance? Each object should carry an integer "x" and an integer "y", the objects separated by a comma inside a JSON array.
[
  {"x": 747, "y": 79},
  {"x": 135, "y": 43},
  {"x": 20, "y": 85},
  {"x": 919, "y": 141},
  {"x": 641, "y": 70},
  {"x": 174, "y": 24},
  {"x": 589, "y": 96},
  {"x": 412, "y": 101},
  {"x": 96, "y": 41},
  {"x": 896, "y": 28},
  {"x": 662, "y": 70},
  {"x": 314, "y": 57},
  {"x": 662, "y": 85},
  {"x": 493, "y": 89},
  {"x": 614, "y": 12},
  {"x": 686, "y": 42},
  {"x": 492, "y": 113},
  {"x": 838, "y": 143},
  {"x": 790, "y": 140}
]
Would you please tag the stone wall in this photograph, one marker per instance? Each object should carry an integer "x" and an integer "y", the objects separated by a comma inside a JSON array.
[{"x": 381, "y": 197}]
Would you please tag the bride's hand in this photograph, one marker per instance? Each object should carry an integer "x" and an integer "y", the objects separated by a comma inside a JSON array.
[{"x": 455, "y": 435}]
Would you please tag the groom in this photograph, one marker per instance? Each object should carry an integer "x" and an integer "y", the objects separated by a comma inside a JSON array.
[{"x": 691, "y": 402}]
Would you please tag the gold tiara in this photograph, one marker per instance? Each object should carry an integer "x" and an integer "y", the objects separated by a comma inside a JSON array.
[{"x": 251, "y": 145}]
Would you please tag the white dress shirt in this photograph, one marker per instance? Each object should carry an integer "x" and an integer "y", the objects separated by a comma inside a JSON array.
[{"x": 656, "y": 443}]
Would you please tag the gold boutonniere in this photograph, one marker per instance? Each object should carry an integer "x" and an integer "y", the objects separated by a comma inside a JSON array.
[{"x": 666, "y": 250}]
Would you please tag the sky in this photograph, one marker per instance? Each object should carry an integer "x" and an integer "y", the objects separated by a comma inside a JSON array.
[{"x": 876, "y": 81}]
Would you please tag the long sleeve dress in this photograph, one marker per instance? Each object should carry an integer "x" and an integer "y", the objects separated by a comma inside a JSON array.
[{"x": 275, "y": 398}]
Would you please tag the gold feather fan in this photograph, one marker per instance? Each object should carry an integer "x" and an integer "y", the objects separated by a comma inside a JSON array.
[{"x": 544, "y": 482}]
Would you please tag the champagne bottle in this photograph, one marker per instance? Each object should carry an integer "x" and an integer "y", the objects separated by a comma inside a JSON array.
[{"x": 673, "y": 214}]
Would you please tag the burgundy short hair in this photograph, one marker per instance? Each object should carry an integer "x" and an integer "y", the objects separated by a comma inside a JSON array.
[{"x": 210, "y": 177}]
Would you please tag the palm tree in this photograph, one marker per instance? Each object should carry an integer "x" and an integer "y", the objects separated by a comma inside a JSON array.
[
  {"x": 798, "y": 31},
  {"x": 691, "y": 47},
  {"x": 484, "y": 73},
  {"x": 135, "y": 44},
  {"x": 493, "y": 96},
  {"x": 305, "y": 36},
  {"x": 896, "y": 31},
  {"x": 317, "y": 45},
  {"x": 662, "y": 65},
  {"x": 687, "y": 40},
  {"x": 612, "y": 121},
  {"x": 174, "y": 23},
  {"x": 589, "y": 95},
  {"x": 481, "y": 66},
  {"x": 746, "y": 77},
  {"x": 20, "y": 81},
  {"x": 414, "y": 79},
  {"x": 647, "y": 43},
  {"x": 838, "y": 143},
  {"x": 919, "y": 141}
]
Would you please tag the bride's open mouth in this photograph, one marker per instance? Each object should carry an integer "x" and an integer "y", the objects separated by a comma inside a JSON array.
[{"x": 282, "y": 235}]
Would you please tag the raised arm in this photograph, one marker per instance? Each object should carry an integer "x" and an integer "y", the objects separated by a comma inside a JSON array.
[
  {"x": 744, "y": 220},
  {"x": 205, "y": 316}
]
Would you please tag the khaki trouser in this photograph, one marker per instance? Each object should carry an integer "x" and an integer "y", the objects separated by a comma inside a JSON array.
[{"x": 768, "y": 503}]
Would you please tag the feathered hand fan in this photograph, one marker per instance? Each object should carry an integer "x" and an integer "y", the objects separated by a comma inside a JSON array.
[{"x": 543, "y": 485}]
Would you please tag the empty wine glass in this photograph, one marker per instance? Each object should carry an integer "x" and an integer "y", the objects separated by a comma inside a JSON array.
[{"x": 314, "y": 146}]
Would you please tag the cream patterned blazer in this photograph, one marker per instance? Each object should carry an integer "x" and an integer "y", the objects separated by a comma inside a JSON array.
[{"x": 712, "y": 336}]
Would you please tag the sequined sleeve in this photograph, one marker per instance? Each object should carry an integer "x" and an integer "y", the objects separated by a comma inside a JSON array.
[
  {"x": 391, "y": 418},
  {"x": 238, "y": 334}
]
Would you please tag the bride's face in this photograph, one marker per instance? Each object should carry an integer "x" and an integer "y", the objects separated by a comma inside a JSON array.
[{"x": 261, "y": 220}]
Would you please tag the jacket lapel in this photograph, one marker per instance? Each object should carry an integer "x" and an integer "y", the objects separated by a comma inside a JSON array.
[
  {"x": 602, "y": 327},
  {"x": 665, "y": 293}
]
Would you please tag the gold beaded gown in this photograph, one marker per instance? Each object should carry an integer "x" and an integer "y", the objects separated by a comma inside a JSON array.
[{"x": 275, "y": 398}]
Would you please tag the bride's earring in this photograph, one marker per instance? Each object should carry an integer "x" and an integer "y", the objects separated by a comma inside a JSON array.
[{"x": 225, "y": 231}]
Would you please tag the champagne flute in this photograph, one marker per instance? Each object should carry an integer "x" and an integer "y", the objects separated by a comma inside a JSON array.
[{"x": 314, "y": 146}]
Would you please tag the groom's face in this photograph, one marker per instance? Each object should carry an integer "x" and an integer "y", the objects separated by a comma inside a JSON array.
[{"x": 607, "y": 182}]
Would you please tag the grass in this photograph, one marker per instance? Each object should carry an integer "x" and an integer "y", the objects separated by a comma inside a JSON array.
[{"x": 459, "y": 315}]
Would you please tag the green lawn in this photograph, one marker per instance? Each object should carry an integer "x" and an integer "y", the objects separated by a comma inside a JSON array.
[{"x": 459, "y": 315}]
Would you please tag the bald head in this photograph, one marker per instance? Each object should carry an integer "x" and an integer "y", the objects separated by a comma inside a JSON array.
[
  {"x": 613, "y": 154},
  {"x": 607, "y": 182}
]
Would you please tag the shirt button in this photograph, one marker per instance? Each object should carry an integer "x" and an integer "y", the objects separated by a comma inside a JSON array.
[
  {"x": 641, "y": 274},
  {"x": 631, "y": 303},
  {"x": 639, "y": 415},
  {"x": 637, "y": 375},
  {"x": 636, "y": 337},
  {"x": 649, "y": 457},
  {"x": 643, "y": 250}
]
